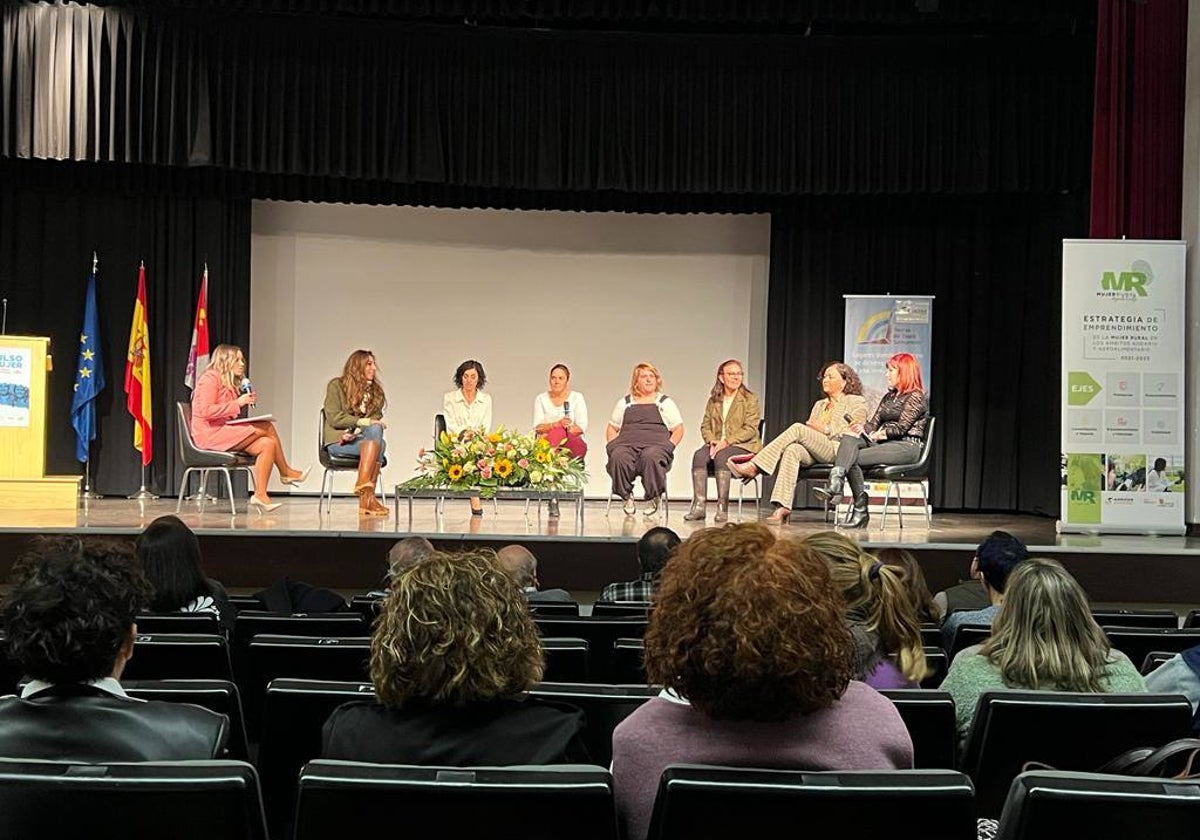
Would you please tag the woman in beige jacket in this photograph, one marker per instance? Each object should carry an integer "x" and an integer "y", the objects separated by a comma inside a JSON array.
[
  {"x": 814, "y": 441},
  {"x": 730, "y": 428}
]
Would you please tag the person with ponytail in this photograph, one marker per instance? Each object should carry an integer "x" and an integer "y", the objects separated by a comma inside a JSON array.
[{"x": 880, "y": 611}]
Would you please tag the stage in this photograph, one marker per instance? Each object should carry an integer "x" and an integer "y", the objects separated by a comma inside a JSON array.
[{"x": 346, "y": 552}]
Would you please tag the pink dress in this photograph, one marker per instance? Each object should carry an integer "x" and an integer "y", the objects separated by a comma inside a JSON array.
[{"x": 213, "y": 405}]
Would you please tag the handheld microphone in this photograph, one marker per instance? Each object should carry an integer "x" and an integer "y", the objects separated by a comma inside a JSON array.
[
  {"x": 862, "y": 434},
  {"x": 246, "y": 387},
  {"x": 567, "y": 409}
]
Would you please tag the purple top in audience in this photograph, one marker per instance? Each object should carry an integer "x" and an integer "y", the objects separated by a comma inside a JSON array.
[
  {"x": 888, "y": 675},
  {"x": 862, "y": 731}
]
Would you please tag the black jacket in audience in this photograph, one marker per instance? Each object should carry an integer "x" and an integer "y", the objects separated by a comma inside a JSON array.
[
  {"x": 497, "y": 733},
  {"x": 95, "y": 724}
]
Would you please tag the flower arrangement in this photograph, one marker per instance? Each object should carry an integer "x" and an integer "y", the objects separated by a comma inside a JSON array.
[{"x": 478, "y": 460}]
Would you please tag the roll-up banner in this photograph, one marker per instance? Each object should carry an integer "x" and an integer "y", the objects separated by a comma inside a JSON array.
[
  {"x": 1122, "y": 386},
  {"x": 878, "y": 327}
]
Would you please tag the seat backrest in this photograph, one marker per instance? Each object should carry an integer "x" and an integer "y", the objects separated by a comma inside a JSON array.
[
  {"x": 612, "y": 609},
  {"x": 178, "y": 622},
  {"x": 544, "y": 803},
  {"x": 604, "y": 706},
  {"x": 1065, "y": 730},
  {"x": 182, "y": 656},
  {"x": 929, "y": 717},
  {"x": 629, "y": 661},
  {"x": 220, "y": 696},
  {"x": 569, "y": 609},
  {"x": 697, "y": 801},
  {"x": 188, "y": 800},
  {"x": 968, "y": 635},
  {"x": 922, "y": 463},
  {"x": 439, "y": 426},
  {"x": 1155, "y": 658},
  {"x": 1044, "y": 805},
  {"x": 600, "y": 634},
  {"x": 931, "y": 635},
  {"x": 294, "y": 713},
  {"x": 938, "y": 663},
  {"x": 1137, "y": 642},
  {"x": 1192, "y": 619},
  {"x": 1162, "y": 619},
  {"x": 183, "y": 430},
  {"x": 567, "y": 659}
]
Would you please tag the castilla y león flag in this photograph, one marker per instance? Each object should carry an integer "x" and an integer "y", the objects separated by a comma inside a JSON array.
[
  {"x": 198, "y": 353},
  {"x": 137, "y": 374}
]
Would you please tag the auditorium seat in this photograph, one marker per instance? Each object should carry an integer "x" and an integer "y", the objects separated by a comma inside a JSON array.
[
  {"x": 315, "y": 625},
  {"x": 294, "y": 713},
  {"x": 366, "y": 605},
  {"x": 1153, "y": 659},
  {"x": 1137, "y": 642},
  {"x": 939, "y": 662},
  {"x": 629, "y": 661},
  {"x": 220, "y": 696},
  {"x": 179, "y": 656},
  {"x": 929, "y": 717},
  {"x": 246, "y": 602},
  {"x": 697, "y": 801},
  {"x": 612, "y": 609},
  {"x": 931, "y": 635},
  {"x": 569, "y": 609},
  {"x": 604, "y": 706},
  {"x": 193, "y": 800},
  {"x": 300, "y": 657},
  {"x": 1065, "y": 730},
  {"x": 600, "y": 634},
  {"x": 1162, "y": 619},
  {"x": 967, "y": 635},
  {"x": 177, "y": 622},
  {"x": 567, "y": 659},
  {"x": 544, "y": 803},
  {"x": 1192, "y": 619},
  {"x": 1044, "y": 805}
]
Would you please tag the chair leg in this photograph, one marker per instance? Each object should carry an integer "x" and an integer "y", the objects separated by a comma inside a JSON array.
[
  {"x": 321, "y": 498},
  {"x": 925, "y": 504},
  {"x": 608, "y": 507},
  {"x": 182, "y": 488},
  {"x": 887, "y": 497},
  {"x": 229, "y": 486}
]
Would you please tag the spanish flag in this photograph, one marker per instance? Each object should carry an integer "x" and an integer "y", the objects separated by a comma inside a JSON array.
[{"x": 137, "y": 374}]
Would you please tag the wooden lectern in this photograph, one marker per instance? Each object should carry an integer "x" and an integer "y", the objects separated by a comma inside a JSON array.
[{"x": 25, "y": 365}]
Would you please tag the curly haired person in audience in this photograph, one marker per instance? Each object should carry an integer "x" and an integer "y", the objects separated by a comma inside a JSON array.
[
  {"x": 888, "y": 652},
  {"x": 748, "y": 638},
  {"x": 454, "y": 649},
  {"x": 1044, "y": 639},
  {"x": 69, "y": 624}
]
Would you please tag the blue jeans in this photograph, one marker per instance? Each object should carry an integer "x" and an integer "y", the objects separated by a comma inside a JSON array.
[{"x": 351, "y": 450}]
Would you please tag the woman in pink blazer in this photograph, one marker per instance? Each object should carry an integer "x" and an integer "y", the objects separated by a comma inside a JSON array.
[{"x": 216, "y": 401}]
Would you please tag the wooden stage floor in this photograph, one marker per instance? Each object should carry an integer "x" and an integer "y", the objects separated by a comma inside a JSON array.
[{"x": 342, "y": 550}]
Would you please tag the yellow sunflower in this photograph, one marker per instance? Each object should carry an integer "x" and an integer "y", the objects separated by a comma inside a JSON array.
[
  {"x": 455, "y": 472},
  {"x": 494, "y": 437},
  {"x": 542, "y": 457},
  {"x": 504, "y": 468}
]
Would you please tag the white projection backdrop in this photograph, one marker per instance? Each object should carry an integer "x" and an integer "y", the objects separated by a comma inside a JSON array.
[{"x": 425, "y": 289}]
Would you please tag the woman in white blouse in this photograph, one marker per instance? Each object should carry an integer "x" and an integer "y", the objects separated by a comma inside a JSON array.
[
  {"x": 642, "y": 434},
  {"x": 560, "y": 415},
  {"x": 467, "y": 407}
]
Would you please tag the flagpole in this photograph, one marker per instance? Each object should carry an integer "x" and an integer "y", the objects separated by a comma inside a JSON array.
[
  {"x": 87, "y": 494},
  {"x": 142, "y": 495}
]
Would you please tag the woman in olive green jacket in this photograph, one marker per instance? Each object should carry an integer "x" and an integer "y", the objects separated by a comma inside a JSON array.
[
  {"x": 354, "y": 404},
  {"x": 729, "y": 428}
]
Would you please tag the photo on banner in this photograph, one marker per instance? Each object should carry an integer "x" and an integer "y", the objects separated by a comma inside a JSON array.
[
  {"x": 1122, "y": 386},
  {"x": 878, "y": 327}
]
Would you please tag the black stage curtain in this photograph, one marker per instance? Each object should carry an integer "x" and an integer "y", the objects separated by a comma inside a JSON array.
[
  {"x": 747, "y": 114},
  {"x": 994, "y": 265},
  {"x": 52, "y": 216}
]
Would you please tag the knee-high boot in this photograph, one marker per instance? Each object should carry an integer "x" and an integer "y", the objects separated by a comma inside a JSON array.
[
  {"x": 699, "y": 496},
  {"x": 832, "y": 494},
  {"x": 858, "y": 515},
  {"x": 723, "y": 480},
  {"x": 368, "y": 467}
]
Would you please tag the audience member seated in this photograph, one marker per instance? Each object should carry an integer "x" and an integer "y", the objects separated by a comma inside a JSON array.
[
  {"x": 1179, "y": 675},
  {"x": 521, "y": 566},
  {"x": 914, "y": 579},
  {"x": 888, "y": 652},
  {"x": 407, "y": 552},
  {"x": 1044, "y": 639},
  {"x": 453, "y": 651},
  {"x": 170, "y": 556},
  {"x": 993, "y": 562},
  {"x": 748, "y": 639},
  {"x": 69, "y": 624},
  {"x": 653, "y": 550}
]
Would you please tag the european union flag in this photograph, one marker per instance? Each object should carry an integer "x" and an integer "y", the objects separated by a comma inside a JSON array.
[{"x": 89, "y": 375}]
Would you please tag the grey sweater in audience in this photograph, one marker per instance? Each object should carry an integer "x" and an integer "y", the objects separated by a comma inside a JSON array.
[{"x": 862, "y": 731}]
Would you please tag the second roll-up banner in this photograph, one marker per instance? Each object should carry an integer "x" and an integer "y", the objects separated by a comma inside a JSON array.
[{"x": 1123, "y": 387}]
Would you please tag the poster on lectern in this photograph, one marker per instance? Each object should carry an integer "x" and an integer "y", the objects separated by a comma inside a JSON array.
[
  {"x": 15, "y": 380},
  {"x": 1122, "y": 386}
]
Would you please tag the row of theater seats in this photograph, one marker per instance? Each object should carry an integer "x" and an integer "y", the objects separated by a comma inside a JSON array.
[
  {"x": 203, "y": 800},
  {"x": 1062, "y": 730}
]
